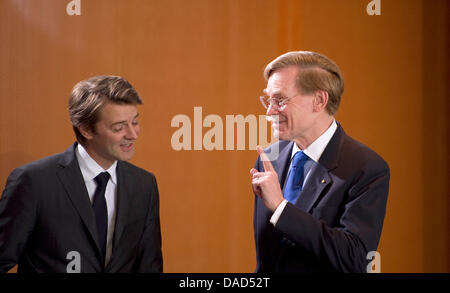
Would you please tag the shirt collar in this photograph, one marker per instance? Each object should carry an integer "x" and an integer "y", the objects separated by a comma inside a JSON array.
[
  {"x": 316, "y": 148},
  {"x": 90, "y": 168}
]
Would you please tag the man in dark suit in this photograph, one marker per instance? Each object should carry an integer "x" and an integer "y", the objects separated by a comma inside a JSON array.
[
  {"x": 320, "y": 196},
  {"x": 86, "y": 210}
]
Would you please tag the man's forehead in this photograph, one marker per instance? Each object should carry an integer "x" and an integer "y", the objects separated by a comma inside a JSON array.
[
  {"x": 278, "y": 88},
  {"x": 118, "y": 112},
  {"x": 274, "y": 92},
  {"x": 282, "y": 80}
]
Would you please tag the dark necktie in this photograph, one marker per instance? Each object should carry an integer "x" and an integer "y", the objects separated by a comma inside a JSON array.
[
  {"x": 295, "y": 180},
  {"x": 100, "y": 210}
]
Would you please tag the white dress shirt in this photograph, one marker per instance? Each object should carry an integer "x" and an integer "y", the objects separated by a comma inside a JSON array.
[
  {"x": 313, "y": 151},
  {"x": 90, "y": 169}
]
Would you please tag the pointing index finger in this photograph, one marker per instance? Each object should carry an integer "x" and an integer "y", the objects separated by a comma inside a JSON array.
[{"x": 265, "y": 160}]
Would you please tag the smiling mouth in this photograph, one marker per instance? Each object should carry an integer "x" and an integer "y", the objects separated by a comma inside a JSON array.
[{"x": 127, "y": 147}]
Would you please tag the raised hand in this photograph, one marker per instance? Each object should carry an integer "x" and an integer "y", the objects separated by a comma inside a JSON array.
[{"x": 265, "y": 184}]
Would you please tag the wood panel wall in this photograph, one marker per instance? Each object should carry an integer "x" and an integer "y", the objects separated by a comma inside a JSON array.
[{"x": 203, "y": 53}]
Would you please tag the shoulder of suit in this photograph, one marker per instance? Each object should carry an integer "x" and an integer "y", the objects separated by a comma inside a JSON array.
[
  {"x": 359, "y": 153},
  {"x": 129, "y": 167},
  {"x": 42, "y": 165},
  {"x": 41, "y": 169}
]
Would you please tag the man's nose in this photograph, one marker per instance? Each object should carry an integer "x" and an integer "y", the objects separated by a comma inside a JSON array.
[
  {"x": 133, "y": 132},
  {"x": 272, "y": 110}
]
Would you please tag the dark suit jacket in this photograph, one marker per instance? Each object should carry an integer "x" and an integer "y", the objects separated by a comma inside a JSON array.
[
  {"x": 45, "y": 213},
  {"x": 337, "y": 218}
]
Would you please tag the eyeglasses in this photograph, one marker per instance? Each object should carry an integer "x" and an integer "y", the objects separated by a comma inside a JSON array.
[{"x": 276, "y": 103}]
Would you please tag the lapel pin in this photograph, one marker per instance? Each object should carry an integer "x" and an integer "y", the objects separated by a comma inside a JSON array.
[{"x": 323, "y": 181}]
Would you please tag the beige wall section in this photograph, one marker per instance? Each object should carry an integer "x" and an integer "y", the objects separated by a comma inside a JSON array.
[{"x": 182, "y": 54}]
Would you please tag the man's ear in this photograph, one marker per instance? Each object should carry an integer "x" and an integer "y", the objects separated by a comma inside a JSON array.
[
  {"x": 86, "y": 132},
  {"x": 320, "y": 100}
]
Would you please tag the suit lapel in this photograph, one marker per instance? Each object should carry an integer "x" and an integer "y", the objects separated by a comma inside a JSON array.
[
  {"x": 124, "y": 189},
  {"x": 71, "y": 178},
  {"x": 318, "y": 180},
  {"x": 320, "y": 177}
]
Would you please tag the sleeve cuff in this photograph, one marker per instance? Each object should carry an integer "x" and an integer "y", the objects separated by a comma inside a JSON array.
[{"x": 276, "y": 215}]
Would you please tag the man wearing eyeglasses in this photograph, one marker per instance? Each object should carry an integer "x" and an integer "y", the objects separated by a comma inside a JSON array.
[{"x": 320, "y": 203}]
